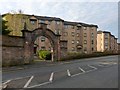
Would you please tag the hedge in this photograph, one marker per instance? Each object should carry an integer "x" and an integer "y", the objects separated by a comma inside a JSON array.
[{"x": 71, "y": 56}]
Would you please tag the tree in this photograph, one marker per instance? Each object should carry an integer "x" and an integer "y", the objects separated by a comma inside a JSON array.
[{"x": 5, "y": 31}]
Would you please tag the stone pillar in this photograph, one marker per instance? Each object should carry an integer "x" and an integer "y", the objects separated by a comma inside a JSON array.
[
  {"x": 28, "y": 51},
  {"x": 57, "y": 48}
]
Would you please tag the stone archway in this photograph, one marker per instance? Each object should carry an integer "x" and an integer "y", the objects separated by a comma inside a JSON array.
[{"x": 30, "y": 37}]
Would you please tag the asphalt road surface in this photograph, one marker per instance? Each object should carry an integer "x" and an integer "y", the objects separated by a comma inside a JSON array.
[{"x": 100, "y": 72}]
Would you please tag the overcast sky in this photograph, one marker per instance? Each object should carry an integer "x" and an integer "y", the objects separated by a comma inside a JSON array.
[{"x": 103, "y": 13}]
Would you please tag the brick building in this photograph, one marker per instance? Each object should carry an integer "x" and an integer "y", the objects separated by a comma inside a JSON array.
[{"x": 75, "y": 36}]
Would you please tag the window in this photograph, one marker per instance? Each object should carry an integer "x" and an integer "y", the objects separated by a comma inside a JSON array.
[
  {"x": 106, "y": 41},
  {"x": 65, "y": 33},
  {"x": 72, "y": 33},
  {"x": 65, "y": 26},
  {"x": 106, "y": 36},
  {"x": 78, "y": 41},
  {"x": 49, "y": 48},
  {"x": 73, "y": 42},
  {"x": 42, "y": 47},
  {"x": 85, "y": 41},
  {"x": 57, "y": 32},
  {"x": 92, "y": 35},
  {"x": 85, "y": 34},
  {"x": 78, "y": 28},
  {"x": 41, "y": 21},
  {"x": 42, "y": 39},
  {"x": 92, "y": 49},
  {"x": 57, "y": 22},
  {"x": 72, "y": 27},
  {"x": 92, "y": 28},
  {"x": 106, "y": 46},
  {"x": 85, "y": 49},
  {"x": 73, "y": 49},
  {"x": 32, "y": 22},
  {"x": 77, "y": 34},
  {"x": 92, "y": 41},
  {"x": 84, "y": 28}
]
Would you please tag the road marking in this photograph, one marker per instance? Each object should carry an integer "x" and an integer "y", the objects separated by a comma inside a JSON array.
[
  {"x": 68, "y": 72},
  {"x": 3, "y": 87},
  {"x": 29, "y": 81},
  {"x": 92, "y": 67},
  {"x": 39, "y": 84},
  {"x": 76, "y": 74},
  {"x": 114, "y": 63},
  {"x": 90, "y": 70},
  {"x": 51, "y": 77},
  {"x": 19, "y": 78},
  {"x": 81, "y": 69},
  {"x": 100, "y": 65},
  {"x": 6, "y": 82},
  {"x": 82, "y": 73}
]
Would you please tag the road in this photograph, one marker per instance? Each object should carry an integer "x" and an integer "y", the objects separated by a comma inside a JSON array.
[{"x": 100, "y": 72}]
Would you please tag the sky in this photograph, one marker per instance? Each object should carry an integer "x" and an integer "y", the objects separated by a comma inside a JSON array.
[{"x": 103, "y": 13}]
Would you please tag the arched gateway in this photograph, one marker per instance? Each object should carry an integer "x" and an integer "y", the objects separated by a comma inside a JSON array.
[{"x": 30, "y": 37}]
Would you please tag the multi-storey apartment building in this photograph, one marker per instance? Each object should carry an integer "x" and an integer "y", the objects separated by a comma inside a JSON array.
[
  {"x": 89, "y": 38},
  {"x": 75, "y": 36},
  {"x": 106, "y": 41}
]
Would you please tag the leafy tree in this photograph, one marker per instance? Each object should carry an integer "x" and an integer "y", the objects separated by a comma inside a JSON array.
[{"x": 4, "y": 29}]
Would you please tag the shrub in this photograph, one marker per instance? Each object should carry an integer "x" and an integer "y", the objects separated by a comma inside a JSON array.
[{"x": 44, "y": 54}]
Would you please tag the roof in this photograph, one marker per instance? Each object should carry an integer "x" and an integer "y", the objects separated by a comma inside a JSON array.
[
  {"x": 48, "y": 18},
  {"x": 112, "y": 35},
  {"x": 107, "y": 32},
  {"x": 59, "y": 19},
  {"x": 79, "y": 24},
  {"x": 70, "y": 23},
  {"x": 99, "y": 32}
]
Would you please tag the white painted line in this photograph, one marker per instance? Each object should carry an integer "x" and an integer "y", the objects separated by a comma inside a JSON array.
[
  {"x": 76, "y": 74},
  {"x": 81, "y": 69},
  {"x": 92, "y": 67},
  {"x": 100, "y": 65},
  {"x": 29, "y": 81},
  {"x": 68, "y": 72},
  {"x": 6, "y": 82},
  {"x": 39, "y": 85},
  {"x": 82, "y": 73},
  {"x": 51, "y": 77},
  {"x": 4, "y": 86},
  {"x": 19, "y": 78}
]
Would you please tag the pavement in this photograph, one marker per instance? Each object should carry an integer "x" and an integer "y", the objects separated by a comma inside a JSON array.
[
  {"x": 99, "y": 72},
  {"x": 40, "y": 63},
  {"x": 33, "y": 65}
]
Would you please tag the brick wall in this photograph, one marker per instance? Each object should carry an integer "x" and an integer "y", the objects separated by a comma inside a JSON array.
[{"x": 12, "y": 50}]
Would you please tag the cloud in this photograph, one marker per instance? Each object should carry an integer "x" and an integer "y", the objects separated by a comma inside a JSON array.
[{"x": 104, "y": 14}]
